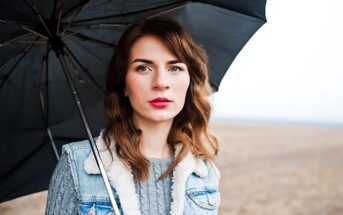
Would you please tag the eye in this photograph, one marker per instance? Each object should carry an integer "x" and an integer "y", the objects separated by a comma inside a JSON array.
[
  {"x": 175, "y": 69},
  {"x": 142, "y": 68}
]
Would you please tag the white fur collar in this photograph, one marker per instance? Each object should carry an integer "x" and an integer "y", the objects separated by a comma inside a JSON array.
[{"x": 121, "y": 178}]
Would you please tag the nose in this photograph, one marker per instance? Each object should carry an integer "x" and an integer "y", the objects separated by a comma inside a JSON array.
[{"x": 160, "y": 80}]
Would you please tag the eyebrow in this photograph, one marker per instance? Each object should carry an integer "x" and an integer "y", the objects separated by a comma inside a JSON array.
[{"x": 151, "y": 62}]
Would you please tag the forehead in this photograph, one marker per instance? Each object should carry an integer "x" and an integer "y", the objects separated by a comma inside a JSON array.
[{"x": 151, "y": 47}]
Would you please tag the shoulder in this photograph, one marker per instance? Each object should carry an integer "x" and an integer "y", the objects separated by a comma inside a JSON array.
[
  {"x": 206, "y": 169},
  {"x": 202, "y": 191},
  {"x": 77, "y": 153},
  {"x": 86, "y": 183},
  {"x": 213, "y": 171},
  {"x": 76, "y": 146}
]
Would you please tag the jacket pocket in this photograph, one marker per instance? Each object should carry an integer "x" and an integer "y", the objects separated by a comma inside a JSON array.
[
  {"x": 205, "y": 197},
  {"x": 96, "y": 208}
]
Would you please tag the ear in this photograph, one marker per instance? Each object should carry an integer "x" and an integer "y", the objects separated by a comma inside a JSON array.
[{"x": 126, "y": 94}]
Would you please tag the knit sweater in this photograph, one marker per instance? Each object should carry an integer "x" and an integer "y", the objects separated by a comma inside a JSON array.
[{"x": 154, "y": 195}]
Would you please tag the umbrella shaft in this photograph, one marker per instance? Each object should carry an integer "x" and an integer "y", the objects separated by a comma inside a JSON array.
[{"x": 90, "y": 136}]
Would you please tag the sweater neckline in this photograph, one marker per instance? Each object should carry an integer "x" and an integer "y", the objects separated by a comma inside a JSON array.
[{"x": 166, "y": 159}]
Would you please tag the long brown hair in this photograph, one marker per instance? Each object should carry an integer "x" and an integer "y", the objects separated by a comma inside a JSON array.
[{"x": 189, "y": 127}]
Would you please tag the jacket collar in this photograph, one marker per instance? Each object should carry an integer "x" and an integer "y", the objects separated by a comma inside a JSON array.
[{"x": 121, "y": 178}]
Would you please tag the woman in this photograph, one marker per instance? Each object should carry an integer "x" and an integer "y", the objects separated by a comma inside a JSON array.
[{"x": 156, "y": 148}]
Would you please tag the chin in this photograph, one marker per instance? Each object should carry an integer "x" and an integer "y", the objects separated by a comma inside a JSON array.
[
  {"x": 161, "y": 117},
  {"x": 156, "y": 116}
]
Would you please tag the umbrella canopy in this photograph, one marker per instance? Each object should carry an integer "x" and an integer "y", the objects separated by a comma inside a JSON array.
[{"x": 41, "y": 39}]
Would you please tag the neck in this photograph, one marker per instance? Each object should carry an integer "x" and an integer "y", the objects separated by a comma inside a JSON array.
[{"x": 153, "y": 143}]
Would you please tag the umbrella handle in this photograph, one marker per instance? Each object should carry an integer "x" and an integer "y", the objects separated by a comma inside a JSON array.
[{"x": 90, "y": 136}]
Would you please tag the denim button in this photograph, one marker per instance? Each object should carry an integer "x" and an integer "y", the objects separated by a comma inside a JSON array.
[
  {"x": 211, "y": 200},
  {"x": 92, "y": 210},
  {"x": 205, "y": 197}
]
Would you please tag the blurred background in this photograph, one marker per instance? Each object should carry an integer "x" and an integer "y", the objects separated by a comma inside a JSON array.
[
  {"x": 291, "y": 70},
  {"x": 279, "y": 116}
]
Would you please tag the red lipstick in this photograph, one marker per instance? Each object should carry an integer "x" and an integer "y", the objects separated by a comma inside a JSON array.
[{"x": 160, "y": 102}]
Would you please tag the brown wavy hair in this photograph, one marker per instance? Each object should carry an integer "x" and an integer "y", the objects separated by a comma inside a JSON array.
[{"x": 189, "y": 127}]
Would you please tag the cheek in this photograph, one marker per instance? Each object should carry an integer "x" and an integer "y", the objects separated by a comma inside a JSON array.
[
  {"x": 182, "y": 88},
  {"x": 185, "y": 85},
  {"x": 133, "y": 86}
]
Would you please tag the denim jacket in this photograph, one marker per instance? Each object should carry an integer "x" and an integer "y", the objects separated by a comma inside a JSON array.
[{"x": 194, "y": 189}]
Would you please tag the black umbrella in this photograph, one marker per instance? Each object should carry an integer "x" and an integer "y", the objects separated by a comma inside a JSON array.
[{"x": 49, "y": 48}]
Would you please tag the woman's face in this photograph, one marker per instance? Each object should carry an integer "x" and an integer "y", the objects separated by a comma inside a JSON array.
[{"x": 156, "y": 81}]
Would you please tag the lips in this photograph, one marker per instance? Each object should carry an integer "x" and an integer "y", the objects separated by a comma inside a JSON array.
[
  {"x": 160, "y": 102},
  {"x": 160, "y": 99}
]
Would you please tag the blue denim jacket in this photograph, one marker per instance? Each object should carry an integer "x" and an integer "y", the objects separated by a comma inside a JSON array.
[{"x": 194, "y": 189}]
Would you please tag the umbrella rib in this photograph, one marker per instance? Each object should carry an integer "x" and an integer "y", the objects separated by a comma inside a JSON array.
[
  {"x": 234, "y": 10},
  {"x": 16, "y": 22},
  {"x": 90, "y": 39},
  {"x": 59, "y": 22},
  {"x": 77, "y": 73},
  {"x": 105, "y": 25},
  {"x": 12, "y": 11},
  {"x": 44, "y": 104},
  {"x": 78, "y": 9},
  {"x": 22, "y": 25},
  {"x": 24, "y": 51},
  {"x": 59, "y": 7},
  {"x": 166, "y": 11},
  {"x": 173, "y": 7},
  {"x": 13, "y": 57},
  {"x": 34, "y": 8},
  {"x": 24, "y": 42},
  {"x": 54, "y": 9},
  {"x": 13, "y": 40},
  {"x": 34, "y": 32},
  {"x": 76, "y": 60},
  {"x": 43, "y": 80}
]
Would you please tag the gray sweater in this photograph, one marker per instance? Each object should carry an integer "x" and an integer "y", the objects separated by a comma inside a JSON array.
[{"x": 154, "y": 195}]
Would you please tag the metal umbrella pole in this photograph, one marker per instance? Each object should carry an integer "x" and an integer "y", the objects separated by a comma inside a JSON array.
[{"x": 61, "y": 56}]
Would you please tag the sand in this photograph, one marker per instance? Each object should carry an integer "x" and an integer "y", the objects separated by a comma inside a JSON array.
[{"x": 266, "y": 169}]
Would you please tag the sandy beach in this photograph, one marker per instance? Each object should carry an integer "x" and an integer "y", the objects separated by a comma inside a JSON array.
[{"x": 269, "y": 169}]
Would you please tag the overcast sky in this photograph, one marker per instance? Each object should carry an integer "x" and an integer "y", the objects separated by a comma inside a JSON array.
[{"x": 292, "y": 68}]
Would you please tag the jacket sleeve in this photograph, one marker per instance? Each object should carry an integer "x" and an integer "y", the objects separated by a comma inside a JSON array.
[{"x": 62, "y": 197}]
